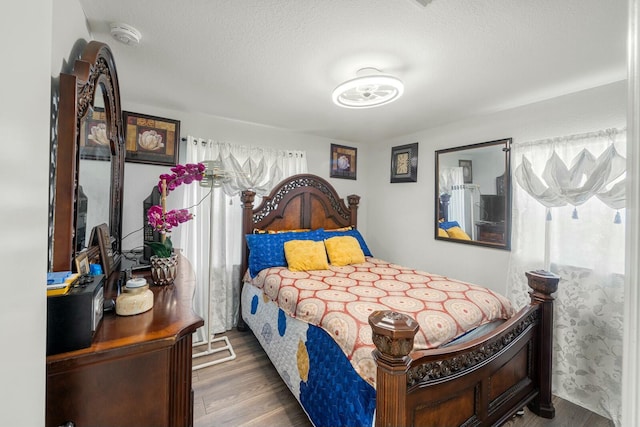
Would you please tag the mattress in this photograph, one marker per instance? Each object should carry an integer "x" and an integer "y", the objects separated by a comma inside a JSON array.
[
  {"x": 313, "y": 326},
  {"x": 340, "y": 300}
]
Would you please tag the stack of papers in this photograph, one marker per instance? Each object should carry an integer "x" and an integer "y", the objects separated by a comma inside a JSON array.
[{"x": 58, "y": 283}]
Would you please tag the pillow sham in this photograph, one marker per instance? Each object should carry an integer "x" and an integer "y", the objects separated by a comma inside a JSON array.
[
  {"x": 344, "y": 250},
  {"x": 267, "y": 250},
  {"x": 303, "y": 255},
  {"x": 446, "y": 225},
  {"x": 353, "y": 233}
]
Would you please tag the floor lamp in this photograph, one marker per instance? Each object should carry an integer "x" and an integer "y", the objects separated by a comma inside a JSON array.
[{"x": 214, "y": 177}]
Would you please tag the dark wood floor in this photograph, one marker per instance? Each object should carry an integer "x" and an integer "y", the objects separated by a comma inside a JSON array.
[{"x": 248, "y": 391}]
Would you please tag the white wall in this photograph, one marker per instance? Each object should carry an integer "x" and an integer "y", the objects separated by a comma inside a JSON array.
[
  {"x": 24, "y": 131},
  {"x": 401, "y": 216},
  {"x": 408, "y": 238},
  {"x": 140, "y": 178}
]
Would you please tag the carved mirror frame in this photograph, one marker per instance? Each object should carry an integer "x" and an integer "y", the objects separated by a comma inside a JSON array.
[
  {"x": 95, "y": 69},
  {"x": 479, "y": 178}
]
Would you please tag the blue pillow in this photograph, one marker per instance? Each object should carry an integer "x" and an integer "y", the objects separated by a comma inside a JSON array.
[
  {"x": 267, "y": 250},
  {"x": 353, "y": 233},
  {"x": 448, "y": 224}
]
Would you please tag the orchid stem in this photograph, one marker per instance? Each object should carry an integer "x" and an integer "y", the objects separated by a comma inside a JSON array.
[{"x": 164, "y": 206}]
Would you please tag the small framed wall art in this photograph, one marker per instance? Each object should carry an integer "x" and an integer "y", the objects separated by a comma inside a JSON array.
[
  {"x": 152, "y": 140},
  {"x": 467, "y": 171},
  {"x": 94, "y": 138},
  {"x": 82, "y": 263},
  {"x": 343, "y": 162},
  {"x": 404, "y": 163}
]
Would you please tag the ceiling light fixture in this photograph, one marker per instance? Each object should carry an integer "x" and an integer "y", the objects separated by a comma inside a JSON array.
[
  {"x": 371, "y": 88},
  {"x": 125, "y": 34}
]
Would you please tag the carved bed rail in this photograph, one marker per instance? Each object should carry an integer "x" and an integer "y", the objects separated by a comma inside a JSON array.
[{"x": 495, "y": 375}]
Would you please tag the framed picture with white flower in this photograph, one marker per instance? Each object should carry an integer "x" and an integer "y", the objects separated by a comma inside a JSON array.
[
  {"x": 343, "y": 162},
  {"x": 152, "y": 140},
  {"x": 94, "y": 142}
]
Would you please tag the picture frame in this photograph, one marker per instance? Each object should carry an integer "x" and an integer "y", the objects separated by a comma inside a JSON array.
[
  {"x": 151, "y": 140},
  {"x": 343, "y": 162},
  {"x": 467, "y": 170},
  {"x": 101, "y": 233},
  {"x": 94, "y": 139},
  {"x": 404, "y": 163},
  {"x": 82, "y": 262}
]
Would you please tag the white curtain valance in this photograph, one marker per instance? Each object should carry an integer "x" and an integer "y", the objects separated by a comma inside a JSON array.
[
  {"x": 249, "y": 167},
  {"x": 587, "y": 176}
]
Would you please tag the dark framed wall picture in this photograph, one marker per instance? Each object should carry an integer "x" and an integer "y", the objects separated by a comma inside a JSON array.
[
  {"x": 467, "y": 171},
  {"x": 404, "y": 163},
  {"x": 101, "y": 233},
  {"x": 343, "y": 162},
  {"x": 94, "y": 140},
  {"x": 152, "y": 140}
]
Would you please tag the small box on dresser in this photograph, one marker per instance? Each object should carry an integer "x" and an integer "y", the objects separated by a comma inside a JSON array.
[{"x": 74, "y": 317}]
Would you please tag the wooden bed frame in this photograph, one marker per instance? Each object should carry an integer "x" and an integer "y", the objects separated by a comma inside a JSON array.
[{"x": 482, "y": 382}]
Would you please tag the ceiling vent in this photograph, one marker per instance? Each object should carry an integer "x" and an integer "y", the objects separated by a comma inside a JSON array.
[{"x": 125, "y": 34}]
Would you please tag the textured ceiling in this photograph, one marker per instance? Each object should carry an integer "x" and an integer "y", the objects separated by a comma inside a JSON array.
[{"x": 275, "y": 62}]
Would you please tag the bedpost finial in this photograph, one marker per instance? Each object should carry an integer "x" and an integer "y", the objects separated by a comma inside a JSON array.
[
  {"x": 247, "y": 197},
  {"x": 543, "y": 283},
  {"x": 393, "y": 333}
]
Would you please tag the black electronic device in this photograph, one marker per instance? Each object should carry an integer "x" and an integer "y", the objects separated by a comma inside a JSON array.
[
  {"x": 150, "y": 235},
  {"x": 74, "y": 317},
  {"x": 492, "y": 208}
]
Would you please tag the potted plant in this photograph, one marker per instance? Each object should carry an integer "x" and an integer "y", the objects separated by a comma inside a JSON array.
[{"x": 164, "y": 261}]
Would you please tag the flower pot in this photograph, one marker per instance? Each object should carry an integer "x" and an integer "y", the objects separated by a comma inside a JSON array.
[{"x": 164, "y": 270}]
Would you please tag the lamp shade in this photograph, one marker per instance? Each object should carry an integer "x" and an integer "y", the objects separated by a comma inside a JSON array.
[{"x": 214, "y": 174}]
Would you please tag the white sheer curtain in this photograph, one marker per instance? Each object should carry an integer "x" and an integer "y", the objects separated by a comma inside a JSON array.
[
  {"x": 452, "y": 182},
  {"x": 568, "y": 208},
  {"x": 259, "y": 169}
]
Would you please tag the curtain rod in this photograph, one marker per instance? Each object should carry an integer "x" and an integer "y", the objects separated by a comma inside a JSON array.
[{"x": 601, "y": 133}]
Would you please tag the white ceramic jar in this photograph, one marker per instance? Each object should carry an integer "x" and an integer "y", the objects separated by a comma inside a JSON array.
[{"x": 136, "y": 298}]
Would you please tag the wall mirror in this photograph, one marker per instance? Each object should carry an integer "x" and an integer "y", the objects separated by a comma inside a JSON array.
[
  {"x": 473, "y": 194},
  {"x": 89, "y": 157}
]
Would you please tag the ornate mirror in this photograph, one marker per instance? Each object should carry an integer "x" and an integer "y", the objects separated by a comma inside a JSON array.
[
  {"x": 89, "y": 158},
  {"x": 473, "y": 194}
]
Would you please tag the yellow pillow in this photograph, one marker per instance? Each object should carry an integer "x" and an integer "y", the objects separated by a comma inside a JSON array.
[
  {"x": 344, "y": 250},
  {"x": 442, "y": 232},
  {"x": 303, "y": 255},
  {"x": 458, "y": 233}
]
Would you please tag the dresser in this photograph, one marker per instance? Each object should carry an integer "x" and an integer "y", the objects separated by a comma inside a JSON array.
[
  {"x": 137, "y": 372},
  {"x": 491, "y": 232}
]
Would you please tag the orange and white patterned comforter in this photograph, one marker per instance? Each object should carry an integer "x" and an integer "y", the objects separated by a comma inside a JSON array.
[{"x": 340, "y": 300}]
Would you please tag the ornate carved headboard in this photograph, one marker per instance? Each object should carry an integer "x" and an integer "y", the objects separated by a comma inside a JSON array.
[{"x": 300, "y": 201}]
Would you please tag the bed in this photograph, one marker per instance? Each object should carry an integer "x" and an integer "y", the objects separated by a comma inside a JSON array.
[{"x": 482, "y": 377}]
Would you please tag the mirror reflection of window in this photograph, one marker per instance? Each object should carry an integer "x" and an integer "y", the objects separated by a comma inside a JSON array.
[{"x": 473, "y": 194}]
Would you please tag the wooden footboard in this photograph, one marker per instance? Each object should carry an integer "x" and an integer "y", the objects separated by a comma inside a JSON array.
[{"x": 481, "y": 382}]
